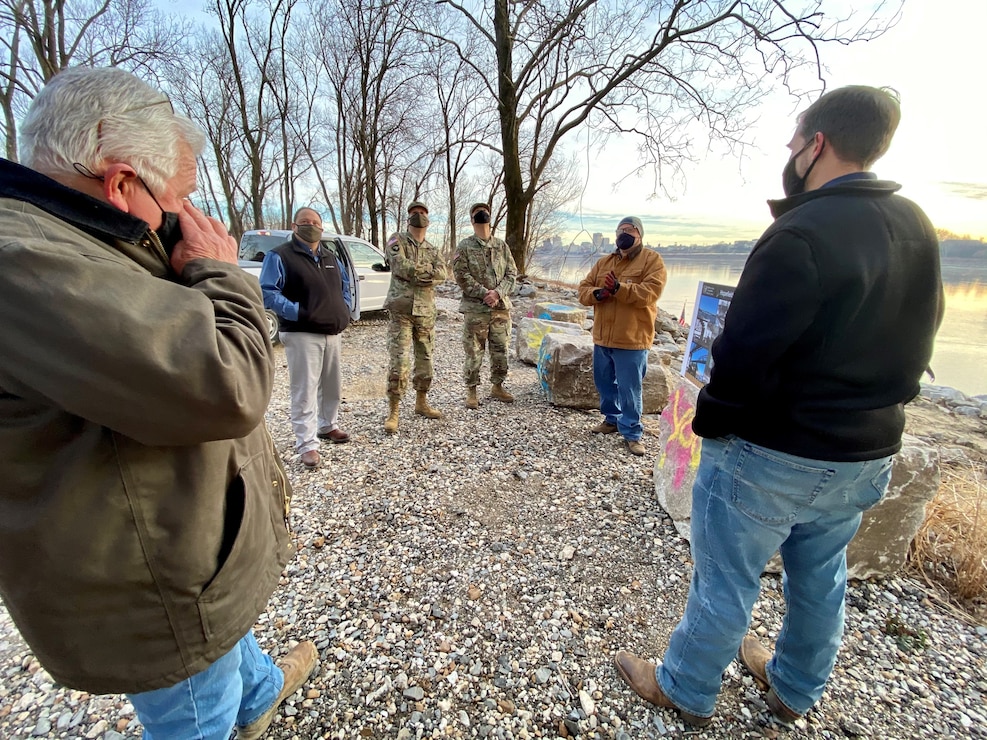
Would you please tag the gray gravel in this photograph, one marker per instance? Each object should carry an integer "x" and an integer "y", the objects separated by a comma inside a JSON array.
[{"x": 472, "y": 578}]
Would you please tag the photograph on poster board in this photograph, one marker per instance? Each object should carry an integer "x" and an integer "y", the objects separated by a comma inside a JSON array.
[{"x": 712, "y": 302}]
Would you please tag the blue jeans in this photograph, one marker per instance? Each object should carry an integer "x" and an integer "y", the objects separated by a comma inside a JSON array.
[
  {"x": 619, "y": 375},
  {"x": 747, "y": 502},
  {"x": 234, "y": 691}
]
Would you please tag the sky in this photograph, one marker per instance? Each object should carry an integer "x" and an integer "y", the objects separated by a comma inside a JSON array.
[{"x": 934, "y": 57}]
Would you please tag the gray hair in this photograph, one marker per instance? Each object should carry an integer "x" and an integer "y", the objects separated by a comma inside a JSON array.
[{"x": 99, "y": 116}]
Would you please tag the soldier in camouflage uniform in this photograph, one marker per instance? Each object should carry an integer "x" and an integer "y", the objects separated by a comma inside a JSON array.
[
  {"x": 485, "y": 270},
  {"x": 416, "y": 267}
]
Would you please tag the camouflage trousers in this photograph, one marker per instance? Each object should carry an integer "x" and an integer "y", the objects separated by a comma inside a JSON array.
[
  {"x": 403, "y": 331},
  {"x": 479, "y": 327}
]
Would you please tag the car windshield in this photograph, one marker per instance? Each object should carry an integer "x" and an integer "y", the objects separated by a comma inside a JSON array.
[{"x": 253, "y": 247}]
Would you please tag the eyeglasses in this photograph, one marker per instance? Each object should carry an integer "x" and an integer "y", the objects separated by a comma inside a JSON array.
[
  {"x": 627, "y": 230},
  {"x": 165, "y": 101}
]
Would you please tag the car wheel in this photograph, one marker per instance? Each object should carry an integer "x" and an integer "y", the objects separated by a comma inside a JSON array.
[{"x": 272, "y": 327}]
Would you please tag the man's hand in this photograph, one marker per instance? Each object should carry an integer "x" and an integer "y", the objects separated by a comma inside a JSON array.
[
  {"x": 610, "y": 283},
  {"x": 202, "y": 238},
  {"x": 492, "y": 298}
]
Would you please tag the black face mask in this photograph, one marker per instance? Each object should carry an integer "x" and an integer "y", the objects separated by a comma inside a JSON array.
[
  {"x": 481, "y": 217},
  {"x": 418, "y": 220},
  {"x": 170, "y": 231},
  {"x": 625, "y": 241},
  {"x": 791, "y": 182}
]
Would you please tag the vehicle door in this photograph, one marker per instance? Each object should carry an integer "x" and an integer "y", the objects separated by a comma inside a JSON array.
[
  {"x": 371, "y": 266},
  {"x": 337, "y": 247}
]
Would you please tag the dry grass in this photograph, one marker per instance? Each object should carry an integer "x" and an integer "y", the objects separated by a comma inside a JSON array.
[{"x": 950, "y": 549}]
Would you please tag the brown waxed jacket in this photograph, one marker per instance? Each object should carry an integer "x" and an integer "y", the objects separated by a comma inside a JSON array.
[
  {"x": 627, "y": 319},
  {"x": 142, "y": 504}
]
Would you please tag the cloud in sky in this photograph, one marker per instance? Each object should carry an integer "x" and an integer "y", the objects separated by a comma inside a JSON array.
[{"x": 972, "y": 190}]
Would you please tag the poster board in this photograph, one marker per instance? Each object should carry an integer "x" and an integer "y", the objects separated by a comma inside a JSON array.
[{"x": 712, "y": 302}]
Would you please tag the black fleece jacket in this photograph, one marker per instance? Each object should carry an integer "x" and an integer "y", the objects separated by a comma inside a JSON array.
[{"x": 830, "y": 328}]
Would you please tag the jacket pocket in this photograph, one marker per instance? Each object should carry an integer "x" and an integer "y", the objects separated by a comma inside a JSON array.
[{"x": 250, "y": 546}]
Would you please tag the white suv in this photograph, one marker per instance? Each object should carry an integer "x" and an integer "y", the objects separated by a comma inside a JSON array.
[{"x": 361, "y": 257}]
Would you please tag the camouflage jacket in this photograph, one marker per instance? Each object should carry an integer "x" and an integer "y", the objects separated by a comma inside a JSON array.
[
  {"x": 416, "y": 268},
  {"x": 481, "y": 266}
]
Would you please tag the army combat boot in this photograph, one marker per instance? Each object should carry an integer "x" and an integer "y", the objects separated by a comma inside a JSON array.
[
  {"x": 471, "y": 400},
  {"x": 391, "y": 423},
  {"x": 423, "y": 409},
  {"x": 498, "y": 393}
]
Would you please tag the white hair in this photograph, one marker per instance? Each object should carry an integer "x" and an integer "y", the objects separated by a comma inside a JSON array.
[{"x": 98, "y": 116}]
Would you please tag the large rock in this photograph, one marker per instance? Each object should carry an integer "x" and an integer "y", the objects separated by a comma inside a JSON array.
[
  {"x": 675, "y": 467},
  {"x": 530, "y": 333},
  {"x": 565, "y": 369},
  {"x": 559, "y": 312},
  {"x": 880, "y": 547}
]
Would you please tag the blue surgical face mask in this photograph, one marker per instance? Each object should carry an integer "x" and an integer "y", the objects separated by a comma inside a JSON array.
[{"x": 625, "y": 240}]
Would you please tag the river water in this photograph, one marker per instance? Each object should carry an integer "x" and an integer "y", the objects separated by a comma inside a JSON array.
[{"x": 960, "y": 356}]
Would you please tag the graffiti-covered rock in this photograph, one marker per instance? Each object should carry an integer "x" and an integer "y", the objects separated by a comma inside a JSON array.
[
  {"x": 565, "y": 370},
  {"x": 531, "y": 331},
  {"x": 676, "y": 464}
]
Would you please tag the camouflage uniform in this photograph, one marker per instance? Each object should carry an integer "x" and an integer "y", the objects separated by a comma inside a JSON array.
[
  {"x": 415, "y": 269},
  {"x": 481, "y": 266}
]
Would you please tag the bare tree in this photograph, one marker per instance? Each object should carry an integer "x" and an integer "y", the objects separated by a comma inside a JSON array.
[
  {"x": 650, "y": 69},
  {"x": 39, "y": 39}
]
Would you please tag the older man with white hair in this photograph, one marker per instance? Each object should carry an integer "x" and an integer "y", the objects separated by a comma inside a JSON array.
[{"x": 144, "y": 506}]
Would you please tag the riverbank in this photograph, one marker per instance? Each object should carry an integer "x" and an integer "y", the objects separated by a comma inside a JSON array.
[{"x": 472, "y": 577}]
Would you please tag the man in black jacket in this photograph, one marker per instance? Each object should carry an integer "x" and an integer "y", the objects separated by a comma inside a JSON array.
[
  {"x": 309, "y": 289},
  {"x": 829, "y": 331}
]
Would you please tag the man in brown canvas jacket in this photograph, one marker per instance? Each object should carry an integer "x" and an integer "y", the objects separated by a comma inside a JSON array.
[{"x": 142, "y": 504}]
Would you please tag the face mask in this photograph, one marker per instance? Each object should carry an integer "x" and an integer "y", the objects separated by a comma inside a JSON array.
[
  {"x": 481, "y": 217},
  {"x": 309, "y": 233},
  {"x": 625, "y": 241},
  {"x": 170, "y": 231},
  {"x": 791, "y": 182},
  {"x": 418, "y": 220}
]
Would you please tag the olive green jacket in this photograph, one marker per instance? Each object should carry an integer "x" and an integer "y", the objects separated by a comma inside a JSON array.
[
  {"x": 481, "y": 266},
  {"x": 142, "y": 504},
  {"x": 416, "y": 268}
]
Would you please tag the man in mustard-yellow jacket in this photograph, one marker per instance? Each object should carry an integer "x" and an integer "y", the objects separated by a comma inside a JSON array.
[{"x": 623, "y": 288}]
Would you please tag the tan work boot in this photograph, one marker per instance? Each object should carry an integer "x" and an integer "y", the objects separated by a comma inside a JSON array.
[
  {"x": 498, "y": 393},
  {"x": 754, "y": 657},
  {"x": 471, "y": 400},
  {"x": 423, "y": 409},
  {"x": 296, "y": 666},
  {"x": 391, "y": 423},
  {"x": 640, "y": 676}
]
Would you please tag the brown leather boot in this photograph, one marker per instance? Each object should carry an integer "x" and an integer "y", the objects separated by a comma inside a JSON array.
[
  {"x": 423, "y": 409},
  {"x": 471, "y": 399},
  {"x": 640, "y": 676},
  {"x": 754, "y": 657},
  {"x": 296, "y": 666},
  {"x": 498, "y": 393},
  {"x": 391, "y": 423}
]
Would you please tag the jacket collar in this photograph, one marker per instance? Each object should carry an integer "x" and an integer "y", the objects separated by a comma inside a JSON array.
[
  {"x": 93, "y": 216},
  {"x": 864, "y": 187}
]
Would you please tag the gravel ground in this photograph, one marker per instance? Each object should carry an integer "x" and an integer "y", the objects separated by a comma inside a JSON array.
[{"x": 473, "y": 577}]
